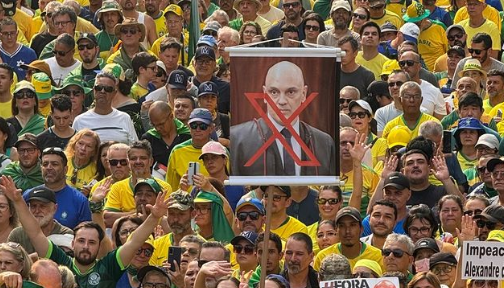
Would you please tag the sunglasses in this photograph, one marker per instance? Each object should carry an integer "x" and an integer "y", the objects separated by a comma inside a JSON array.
[
  {"x": 61, "y": 53},
  {"x": 276, "y": 198},
  {"x": 131, "y": 31},
  {"x": 71, "y": 93},
  {"x": 354, "y": 115},
  {"x": 323, "y": 201},
  {"x": 363, "y": 275},
  {"x": 107, "y": 89},
  {"x": 489, "y": 225},
  {"x": 114, "y": 162},
  {"x": 397, "y": 83},
  {"x": 147, "y": 252},
  {"x": 475, "y": 51},
  {"x": 473, "y": 212},
  {"x": 21, "y": 95},
  {"x": 291, "y": 5},
  {"x": 242, "y": 216},
  {"x": 88, "y": 46},
  {"x": 439, "y": 270},
  {"x": 344, "y": 100},
  {"x": 377, "y": 7},
  {"x": 360, "y": 16},
  {"x": 481, "y": 170},
  {"x": 409, "y": 63},
  {"x": 312, "y": 28},
  {"x": 247, "y": 249},
  {"x": 398, "y": 253},
  {"x": 458, "y": 36},
  {"x": 202, "y": 126}
]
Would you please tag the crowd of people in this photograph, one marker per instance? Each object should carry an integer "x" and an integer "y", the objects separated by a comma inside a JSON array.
[{"x": 105, "y": 105}]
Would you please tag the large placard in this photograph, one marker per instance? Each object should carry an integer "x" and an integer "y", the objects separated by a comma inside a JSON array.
[
  {"x": 385, "y": 282},
  {"x": 482, "y": 260}
]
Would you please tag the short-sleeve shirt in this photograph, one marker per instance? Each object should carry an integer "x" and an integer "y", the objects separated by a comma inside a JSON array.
[
  {"x": 179, "y": 160},
  {"x": 432, "y": 43},
  {"x": 367, "y": 252},
  {"x": 388, "y": 17},
  {"x": 370, "y": 181},
  {"x": 104, "y": 274},
  {"x": 289, "y": 227},
  {"x": 386, "y": 113},
  {"x": 399, "y": 121},
  {"x": 374, "y": 65},
  {"x": 429, "y": 196},
  {"x": 305, "y": 211},
  {"x": 489, "y": 27},
  {"x": 433, "y": 101}
]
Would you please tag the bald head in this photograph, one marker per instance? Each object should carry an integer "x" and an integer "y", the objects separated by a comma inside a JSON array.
[
  {"x": 411, "y": 55},
  {"x": 46, "y": 273},
  {"x": 161, "y": 107},
  {"x": 286, "y": 71}
]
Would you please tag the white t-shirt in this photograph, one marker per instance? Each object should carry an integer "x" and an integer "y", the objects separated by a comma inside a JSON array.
[
  {"x": 433, "y": 100},
  {"x": 59, "y": 73},
  {"x": 115, "y": 126},
  {"x": 385, "y": 114}
]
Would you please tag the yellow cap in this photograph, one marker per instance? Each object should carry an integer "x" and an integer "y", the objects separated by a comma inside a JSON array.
[
  {"x": 398, "y": 136},
  {"x": 415, "y": 12},
  {"x": 472, "y": 65},
  {"x": 370, "y": 264},
  {"x": 173, "y": 8},
  {"x": 496, "y": 235},
  {"x": 149, "y": 240},
  {"x": 42, "y": 84},
  {"x": 390, "y": 66}
]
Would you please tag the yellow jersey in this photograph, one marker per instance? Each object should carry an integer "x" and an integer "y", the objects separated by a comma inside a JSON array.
[
  {"x": 399, "y": 121},
  {"x": 389, "y": 16},
  {"x": 489, "y": 27},
  {"x": 370, "y": 181},
  {"x": 6, "y": 108},
  {"x": 432, "y": 43},
  {"x": 82, "y": 177},
  {"x": 464, "y": 162},
  {"x": 374, "y": 65},
  {"x": 160, "y": 23},
  {"x": 289, "y": 227},
  {"x": 178, "y": 162},
  {"x": 161, "y": 246},
  {"x": 489, "y": 13},
  {"x": 367, "y": 252},
  {"x": 398, "y": 8}
]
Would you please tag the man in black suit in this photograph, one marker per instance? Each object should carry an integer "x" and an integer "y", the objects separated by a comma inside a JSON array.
[{"x": 285, "y": 85}]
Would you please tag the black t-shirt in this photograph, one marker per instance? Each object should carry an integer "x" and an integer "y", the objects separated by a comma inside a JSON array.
[
  {"x": 49, "y": 139},
  {"x": 429, "y": 196},
  {"x": 360, "y": 79},
  {"x": 305, "y": 211},
  {"x": 160, "y": 150},
  {"x": 40, "y": 41}
]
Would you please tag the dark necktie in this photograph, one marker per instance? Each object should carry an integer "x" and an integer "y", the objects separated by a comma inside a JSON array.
[{"x": 289, "y": 167}]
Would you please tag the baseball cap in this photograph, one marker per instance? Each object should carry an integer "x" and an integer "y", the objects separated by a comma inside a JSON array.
[
  {"x": 389, "y": 66},
  {"x": 201, "y": 115},
  {"x": 410, "y": 32},
  {"x": 39, "y": 65},
  {"x": 207, "y": 88},
  {"x": 143, "y": 272},
  {"x": 374, "y": 3},
  {"x": 397, "y": 180},
  {"x": 426, "y": 243},
  {"x": 398, "y": 136},
  {"x": 361, "y": 103},
  {"x": 205, "y": 51},
  {"x": 492, "y": 213},
  {"x": 27, "y": 137},
  {"x": 161, "y": 65},
  {"x": 494, "y": 162},
  {"x": 212, "y": 25},
  {"x": 250, "y": 201},
  {"x": 178, "y": 79},
  {"x": 213, "y": 147},
  {"x": 148, "y": 181},
  {"x": 62, "y": 240},
  {"x": 23, "y": 85},
  {"x": 208, "y": 40},
  {"x": 88, "y": 36},
  {"x": 488, "y": 140},
  {"x": 285, "y": 189},
  {"x": 455, "y": 26},
  {"x": 116, "y": 70},
  {"x": 388, "y": 27},
  {"x": 349, "y": 211},
  {"x": 378, "y": 88},
  {"x": 42, "y": 84},
  {"x": 173, "y": 8},
  {"x": 371, "y": 264},
  {"x": 9, "y": 6},
  {"x": 42, "y": 194},
  {"x": 340, "y": 4},
  {"x": 249, "y": 236},
  {"x": 457, "y": 49},
  {"x": 181, "y": 200},
  {"x": 442, "y": 258},
  {"x": 496, "y": 235}
]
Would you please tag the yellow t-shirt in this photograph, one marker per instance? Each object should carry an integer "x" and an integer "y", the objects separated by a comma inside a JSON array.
[
  {"x": 81, "y": 2},
  {"x": 367, "y": 252},
  {"x": 156, "y": 47},
  {"x": 465, "y": 163},
  {"x": 161, "y": 246},
  {"x": 432, "y": 43},
  {"x": 160, "y": 25},
  {"x": 389, "y": 16},
  {"x": 374, "y": 65},
  {"x": 120, "y": 197},
  {"x": 370, "y": 179},
  {"x": 489, "y": 13},
  {"x": 289, "y": 227},
  {"x": 378, "y": 150},
  {"x": 24, "y": 23},
  {"x": 35, "y": 26},
  {"x": 399, "y": 121},
  {"x": 6, "y": 109},
  {"x": 489, "y": 27},
  {"x": 487, "y": 107},
  {"x": 82, "y": 26},
  {"x": 45, "y": 111},
  {"x": 179, "y": 160},
  {"x": 441, "y": 63},
  {"x": 84, "y": 175},
  {"x": 312, "y": 232},
  {"x": 138, "y": 91},
  {"x": 398, "y": 8}
]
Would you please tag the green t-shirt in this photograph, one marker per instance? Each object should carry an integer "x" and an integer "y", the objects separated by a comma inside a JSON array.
[
  {"x": 105, "y": 273},
  {"x": 105, "y": 40}
]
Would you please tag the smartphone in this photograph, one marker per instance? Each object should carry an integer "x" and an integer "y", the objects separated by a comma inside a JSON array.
[
  {"x": 447, "y": 141},
  {"x": 174, "y": 254},
  {"x": 194, "y": 168},
  {"x": 499, "y": 113}
]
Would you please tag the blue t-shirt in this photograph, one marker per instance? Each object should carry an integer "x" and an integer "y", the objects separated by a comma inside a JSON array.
[
  {"x": 73, "y": 206},
  {"x": 234, "y": 194},
  {"x": 22, "y": 55},
  {"x": 398, "y": 228},
  {"x": 442, "y": 16}
]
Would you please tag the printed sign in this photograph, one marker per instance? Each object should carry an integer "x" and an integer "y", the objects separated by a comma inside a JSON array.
[
  {"x": 483, "y": 260},
  {"x": 385, "y": 282}
]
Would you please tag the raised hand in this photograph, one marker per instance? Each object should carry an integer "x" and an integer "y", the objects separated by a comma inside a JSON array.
[
  {"x": 244, "y": 278},
  {"x": 390, "y": 165},
  {"x": 8, "y": 187},
  {"x": 161, "y": 207},
  {"x": 440, "y": 170},
  {"x": 468, "y": 232},
  {"x": 359, "y": 149},
  {"x": 202, "y": 182},
  {"x": 217, "y": 269},
  {"x": 101, "y": 191},
  {"x": 184, "y": 184},
  {"x": 176, "y": 277}
]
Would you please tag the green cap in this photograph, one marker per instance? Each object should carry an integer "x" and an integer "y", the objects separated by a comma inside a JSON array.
[
  {"x": 73, "y": 80},
  {"x": 116, "y": 70},
  {"x": 42, "y": 84},
  {"x": 148, "y": 181}
]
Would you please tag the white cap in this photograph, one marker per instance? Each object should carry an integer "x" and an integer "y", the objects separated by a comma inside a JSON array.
[
  {"x": 411, "y": 30},
  {"x": 488, "y": 140},
  {"x": 363, "y": 104}
]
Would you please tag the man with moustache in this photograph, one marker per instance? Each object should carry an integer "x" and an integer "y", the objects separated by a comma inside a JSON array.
[
  {"x": 380, "y": 223},
  {"x": 129, "y": 11},
  {"x": 120, "y": 199},
  {"x": 228, "y": 7},
  {"x": 87, "y": 44},
  {"x": 292, "y": 10},
  {"x": 298, "y": 256},
  {"x": 152, "y": 9},
  {"x": 341, "y": 15},
  {"x": 398, "y": 254},
  {"x": 456, "y": 37}
]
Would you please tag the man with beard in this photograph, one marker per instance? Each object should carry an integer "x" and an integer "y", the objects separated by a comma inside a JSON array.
[
  {"x": 228, "y": 7},
  {"x": 129, "y": 11},
  {"x": 341, "y": 15},
  {"x": 25, "y": 172},
  {"x": 495, "y": 90},
  {"x": 349, "y": 224},
  {"x": 108, "y": 16},
  {"x": 120, "y": 199},
  {"x": 73, "y": 206},
  {"x": 89, "y": 272},
  {"x": 298, "y": 256},
  {"x": 117, "y": 157},
  {"x": 152, "y": 9},
  {"x": 42, "y": 204},
  {"x": 292, "y": 10},
  {"x": 456, "y": 37},
  {"x": 492, "y": 218},
  {"x": 384, "y": 114},
  {"x": 180, "y": 213},
  {"x": 87, "y": 44},
  {"x": 380, "y": 222},
  {"x": 398, "y": 254}
]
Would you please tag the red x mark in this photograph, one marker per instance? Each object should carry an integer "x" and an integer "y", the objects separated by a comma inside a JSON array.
[{"x": 252, "y": 97}]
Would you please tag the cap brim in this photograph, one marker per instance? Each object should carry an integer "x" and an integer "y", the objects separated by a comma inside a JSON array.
[
  {"x": 24, "y": 140},
  {"x": 207, "y": 93},
  {"x": 410, "y": 38},
  {"x": 179, "y": 207},
  {"x": 245, "y": 204},
  {"x": 350, "y": 215},
  {"x": 389, "y": 30},
  {"x": 238, "y": 238},
  {"x": 40, "y": 199},
  {"x": 399, "y": 187},
  {"x": 177, "y": 86},
  {"x": 200, "y": 120},
  {"x": 44, "y": 96},
  {"x": 494, "y": 162},
  {"x": 406, "y": 18},
  {"x": 486, "y": 216},
  {"x": 213, "y": 153}
]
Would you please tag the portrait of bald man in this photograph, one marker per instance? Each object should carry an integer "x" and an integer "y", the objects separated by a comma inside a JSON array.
[{"x": 285, "y": 85}]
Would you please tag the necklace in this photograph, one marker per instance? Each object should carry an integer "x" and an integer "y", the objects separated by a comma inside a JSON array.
[{"x": 112, "y": 39}]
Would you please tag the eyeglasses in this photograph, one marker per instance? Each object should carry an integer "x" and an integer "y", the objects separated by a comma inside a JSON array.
[
  {"x": 397, "y": 83},
  {"x": 498, "y": 174},
  {"x": 409, "y": 63},
  {"x": 398, "y": 253},
  {"x": 344, "y": 100},
  {"x": 26, "y": 94},
  {"x": 475, "y": 51},
  {"x": 146, "y": 251},
  {"x": 202, "y": 262},
  {"x": 446, "y": 269},
  {"x": 154, "y": 285},
  {"x": 114, "y": 162},
  {"x": 354, "y": 115},
  {"x": 88, "y": 46},
  {"x": 10, "y": 34},
  {"x": 411, "y": 97},
  {"x": 363, "y": 275},
  {"x": 204, "y": 61},
  {"x": 131, "y": 31},
  {"x": 276, "y": 198},
  {"x": 62, "y": 23},
  {"x": 107, "y": 89},
  {"x": 488, "y": 283},
  {"x": 377, "y": 7},
  {"x": 126, "y": 232},
  {"x": 423, "y": 230},
  {"x": 71, "y": 93},
  {"x": 26, "y": 150},
  {"x": 291, "y": 5},
  {"x": 242, "y": 216},
  {"x": 488, "y": 224},
  {"x": 312, "y": 28},
  {"x": 481, "y": 170},
  {"x": 331, "y": 201},
  {"x": 360, "y": 16},
  {"x": 458, "y": 36},
  {"x": 4, "y": 207},
  {"x": 247, "y": 249},
  {"x": 203, "y": 210},
  {"x": 202, "y": 126},
  {"x": 191, "y": 251},
  {"x": 61, "y": 53},
  {"x": 473, "y": 212}
]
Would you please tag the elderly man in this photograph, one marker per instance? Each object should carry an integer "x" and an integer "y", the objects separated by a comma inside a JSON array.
[
  {"x": 65, "y": 21},
  {"x": 13, "y": 52},
  {"x": 43, "y": 206},
  {"x": 117, "y": 157},
  {"x": 494, "y": 89},
  {"x": 227, "y": 37},
  {"x": 153, "y": 276},
  {"x": 398, "y": 254},
  {"x": 108, "y": 16},
  {"x": 63, "y": 61},
  {"x": 496, "y": 168},
  {"x": 248, "y": 10},
  {"x": 353, "y": 74},
  {"x": 385, "y": 114},
  {"x": 131, "y": 33},
  {"x": 341, "y": 15}
]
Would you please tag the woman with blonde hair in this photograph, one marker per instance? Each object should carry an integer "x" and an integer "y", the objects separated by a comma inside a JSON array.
[
  {"x": 15, "y": 259},
  {"x": 82, "y": 153}
]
